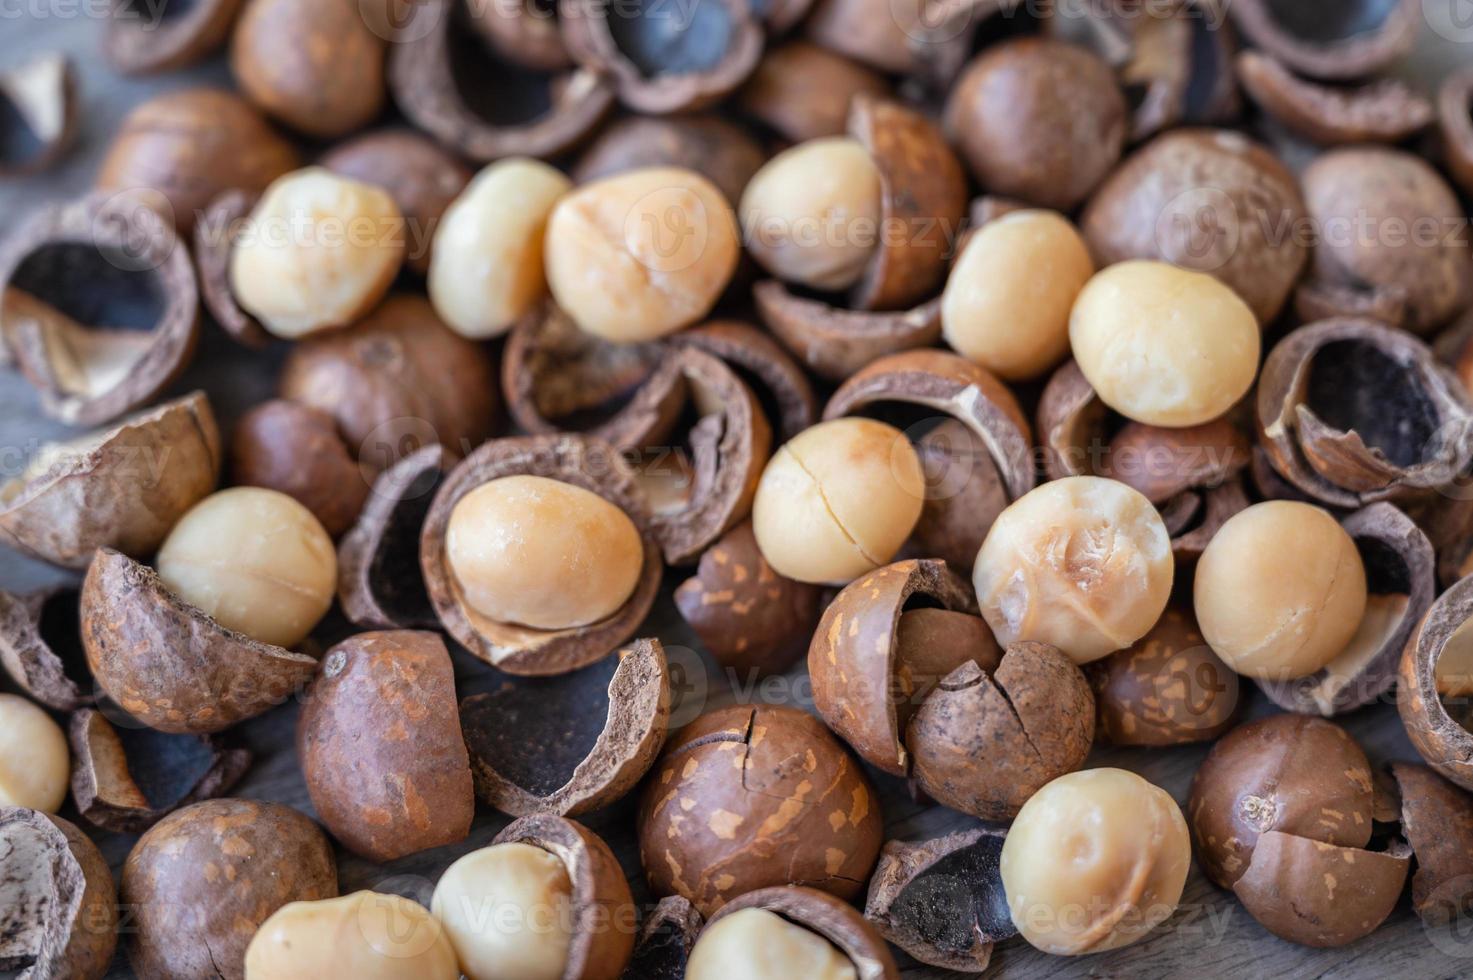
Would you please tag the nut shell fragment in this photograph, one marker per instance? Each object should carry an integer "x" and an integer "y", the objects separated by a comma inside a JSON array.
[
  {"x": 831, "y": 918},
  {"x": 1387, "y": 111},
  {"x": 41, "y": 646},
  {"x": 834, "y": 342},
  {"x": 1443, "y": 635},
  {"x": 139, "y": 44},
  {"x": 1437, "y": 821},
  {"x": 1331, "y": 39}
]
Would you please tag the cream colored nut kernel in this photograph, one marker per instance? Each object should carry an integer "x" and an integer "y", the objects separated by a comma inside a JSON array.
[
  {"x": 254, "y": 560},
  {"x": 1094, "y": 861},
  {"x": 542, "y": 553},
  {"x": 838, "y": 500},
  {"x": 1280, "y": 590},
  {"x": 812, "y": 214},
  {"x": 318, "y": 252},
  {"x": 1082, "y": 563},
  {"x": 1163, "y": 345},
  {"x": 35, "y": 763},
  {"x": 366, "y": 936},
  {"x": 508, "y": 910},
  {"x": 756, "y": 944},
  {"x": 642, "y": 254},
  {"x": 1007, "y": 302},
  {"x": 486, "y": 268}
]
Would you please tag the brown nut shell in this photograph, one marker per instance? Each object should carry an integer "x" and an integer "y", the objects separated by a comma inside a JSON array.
[
  {"x": 143, "y": 44},
  {"x": 123, "y": 488},
  {"x": 714, "y": 146},
  {"x": 1386, "y": 111},
  {"x": 942, "y": 900},
  {"x": 588, "y": 463},
  {"x": 1162, "y": 463},
  {"x": 829, "y": 917},
  {"x": 61, "y": 916},
  {"x": 100, "y": 306},
  {"x": 1401, "y": 575},
  {"x": 834, "y": 342},
  {"x": 1437, "y": 821},
  {"x": 41, "y": 646},
  {"x": 38, "y": 106},
  {"x": 867, "y": 31},
  {"x": 215, "y": 234},
  {"x": 752, "y": 796},
  {"x": 604, "y": 914},
  {"x": 784, "y": 391},
  {"x": 126, "y": 778},
  {"x": 168, "y": 664},
  {"x": 525, "y": 31},
  {"x": 1455, "y": 119},
  {"x": 665, "y": 940},
  {"x": 1316, "y": 300},
  {"x": 203, "y": 879},
  {"x": 1072, "y": 424},
  {"x": 569, "y": 744},
  {"x": 803, "y": 92},
  {"x": 296, "y": 450},
  {"x": 1440, "y": 737},
  {"x": 1291, "y": 773},
  {"x": 965, "y": 493},
  {"x": 1331, "y": 39}
]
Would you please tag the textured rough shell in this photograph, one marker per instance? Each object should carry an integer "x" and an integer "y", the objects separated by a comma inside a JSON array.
[
  {"x": 588, "y": 463},
  {"x": 573, "y": 744},
  {"x": 780, "y": 384},
  {"x": 1387, "y": 111},
  {"x": 168, "y": 664},
  {"x": 835, "y": 920},
  {"x": 718, "y": 148},
  {"x": 381, "y": 749},
  {"x": 1330, "y": 39},
  {"x": 41, "y": 94},
  {"x": 665, "y": 940},
  {"x": 1438, "y": 736},
  {"x": 137, "y": 45},
  {"x": 215, "y": 234},
  {"x": 203, "y": 879},
  {"x": 834, "y": 342},
  {"x": 1437, "y": 821},
  {"x": 41, "y": 646}
]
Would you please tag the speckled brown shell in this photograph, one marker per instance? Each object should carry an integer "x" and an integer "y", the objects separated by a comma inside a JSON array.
[
  {"x": 1330, "y": 39},
  {"x": 665, "y": 940},
  {"x": 63, "y": 917},
  {"x": 1455, "y": 120},
  {"x": 381, "y": 749},
  {"x": 76, "y": 253},
  {"x": 583, "y": 462},
  {"x": 1438, "y": 736},
  {"x": 1437, "y": 820},
  {"x": 296, "y": 450},
  {"x": 748, "y": 797},
  {"x": 834, "y": 342},
  {"x": 1291, "y": 773},
  {"x": 168, "y": 664},
  {"x": 41, "y": 96},
  {"x": 830, "y": 918},
  {"x": 137, "y": 44},
  {"x": 203, "y": 879},
  {"x": 605, "y": 918},
  {"x": 1386, "y": 111},
  {"x": 779, "y": 383},
  {"x": 41, "y": 646},
  {"x": 716, "y": 147},
  {"x": 177, "y": 770},
  {"x": 601, "y": 732},
  {"x": 219, "y": 226},
  {"x": 803, "y": 91}
]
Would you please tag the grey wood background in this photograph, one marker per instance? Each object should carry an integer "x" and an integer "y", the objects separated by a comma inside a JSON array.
[{"x": 1209, "y": 937}]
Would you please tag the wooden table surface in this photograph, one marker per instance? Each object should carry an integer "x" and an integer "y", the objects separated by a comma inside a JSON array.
[{"x": 1210, "y": 936}]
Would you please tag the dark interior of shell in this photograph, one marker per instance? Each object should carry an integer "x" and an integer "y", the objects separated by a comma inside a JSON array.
[
  {"x": 659, "y": 43},
  {"x": 155, "y": 14},
  {"x": 958, "y": 899},
  {"x": 397, "y": 582},
  {"x": 164, "y": 767},
  {"x": 493, "y": 89},
  {"x": 19, "y": 142},
  {"x": 95, "y": 285},
  {"x": 60, "y": 614},
  {"x": 1328, "y": 21},
  {"x": 661, "y": 955},
  {"x": 1355, "y": 387},
  {"x": 1386, "y": 568}
]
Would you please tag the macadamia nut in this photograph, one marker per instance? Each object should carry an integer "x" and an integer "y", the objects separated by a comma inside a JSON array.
[
  {"x": 542, "y": 553},
  {"x": 256, "y": 561},
  {"x": 1007, "y": 302},
  {"x": 838, "y": 500},
  {"x": 319, "y": 252},
  {"x": 1082, "y": 563},
  {"x": 1280, "y": 590},
  {"x": 35, "y": 764},
  {"x": 508, "y": 910},
  {"x": 811, "y": 215},
  {"x": 641, "y": 254},
  {"x": 486, "y": 268},
  {"x": 1095, "y": 860},
  {"x": 1163, "y": 345},
  {"x": 756, "y": 944},
  {"x": 366, "y": 935}
]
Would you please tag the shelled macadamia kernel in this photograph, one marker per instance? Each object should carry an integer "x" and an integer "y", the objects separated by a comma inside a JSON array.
[
  {"x": 365, "y": 935},
  {"x": 34, "y": 758}
]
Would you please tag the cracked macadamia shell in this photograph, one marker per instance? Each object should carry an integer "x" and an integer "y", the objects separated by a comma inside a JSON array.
[
  {"x": 1095, "y": 861},
  {"x": 1273, "y": 618},
  {"x": 821, "y": 915},
  {"x": 760, "y": 945},
  {"x": 366, "y": 935},
  {"x": 34, "y": 758},
  {"x": 838, "y": 500},
  {"x": 530, "y": 883},
  {"x": 1083, "y": 564}
]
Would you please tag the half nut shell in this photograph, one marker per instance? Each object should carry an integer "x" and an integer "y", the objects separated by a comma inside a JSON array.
[
  {"x": 830, "y": 917},
  {"x": 1437, "y": 820},
  {"x": 666, "y": 938},
  {"x": 137, "y": 44},
  {"x": 41, "y": 646},
  {"x": 215, "y": 234},
  {"x": 1438, "y": 662},
  {"x": 1386, "y": 111},
  {"x": 834, "y": 342},
  {"x": 1331, "y": 39}
]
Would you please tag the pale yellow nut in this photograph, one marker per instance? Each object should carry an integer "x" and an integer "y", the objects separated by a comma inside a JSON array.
[
  {"x": 1007, "y": 302},
  {"x": 486, "y": 270},
  {"x": 1280, "y": 590},
  {"x": 1082, "y": 563},
  {"x": 35, "y": 763},
  {"x": 812, "y": 215},
  {"x": 254, "y": 560},
  {"x": 1163, "y": 345},
  {"x": 838, "y": 500},
  {"x": 642, "y": 254},
  {"x": 366, "y": 936},
  {"x": 508, "y": 911},
  {"x": 318, "y": 252},
  {"x": 756, "y": 944},
  {"x": 1094, "y": 861},
  {"x": 542, "y": 553}
]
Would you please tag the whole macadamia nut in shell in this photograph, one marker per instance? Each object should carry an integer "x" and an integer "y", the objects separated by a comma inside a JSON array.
[
  {"x": 34, "y": 758},
  {"x": 366, "y": 935}
]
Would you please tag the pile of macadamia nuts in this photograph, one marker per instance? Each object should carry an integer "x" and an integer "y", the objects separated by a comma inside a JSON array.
[{"x": 1012, "y": 365}]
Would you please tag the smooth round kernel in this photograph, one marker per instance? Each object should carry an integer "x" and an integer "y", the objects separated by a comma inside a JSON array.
[
  {"x": 486, "y": 267},
  {"x": 35, "y": 763},
  {"x": 1272, "y": 618},
  {"x": 642, "y": 254},
  {"x": 838, "y": 500},
  {"x": 366, "y": 935},
  {"x": 1094, "y": 861},
  {"x": 811, "y": 215},
  {"x": 508, "y": 910},
  {"x": 1007, "y": 301},
  {"x": 756, "y": 944},
  {"x": 1082, "y": 563},
  {"x": 1162, "y": 345},
  {"x": 318, "y": 252},
  {"x": 542, "y": 553},
  {"x": 254, "y": 560}
]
